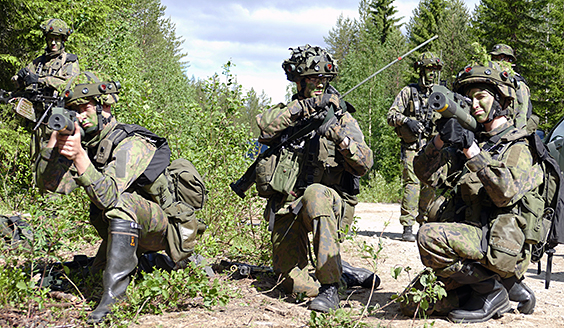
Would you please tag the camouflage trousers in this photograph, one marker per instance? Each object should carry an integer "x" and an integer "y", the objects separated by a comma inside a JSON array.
[
  {"x": 131, "y": 207},
  {"x": 416, "y": 195},
  {"x": 444, "y": 246},
  {"x": 321, "y": 214}
]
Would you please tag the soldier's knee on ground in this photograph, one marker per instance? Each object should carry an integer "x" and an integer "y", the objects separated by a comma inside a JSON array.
[{"x": 299, "y": 281}]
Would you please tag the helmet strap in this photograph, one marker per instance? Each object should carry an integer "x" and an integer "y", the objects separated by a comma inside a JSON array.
[
  {"x": 102, "y": 121},
  {"x": 303, "y": 85}
]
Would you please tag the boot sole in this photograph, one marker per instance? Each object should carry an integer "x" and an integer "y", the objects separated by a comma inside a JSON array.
[{"x": 498, "y": 313}]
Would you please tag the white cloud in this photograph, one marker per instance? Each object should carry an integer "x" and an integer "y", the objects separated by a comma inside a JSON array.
[{"x": 255, "y": 35}]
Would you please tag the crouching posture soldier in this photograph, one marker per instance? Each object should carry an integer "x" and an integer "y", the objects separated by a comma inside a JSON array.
[
  {"x": 313, "y": 187},
  {"x": 125, "y": 181},
  {"x": 413, "y": 121},
  {"x": 479, "y": 239}
]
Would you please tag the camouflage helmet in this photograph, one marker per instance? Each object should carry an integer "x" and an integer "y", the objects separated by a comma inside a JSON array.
[
  {"x": 503, "y": 49},
  {"x": 428, "y": 59},
  {"x": 56, "y": 26},
  {"x": 307, "y": 61},
  {"x": 492, "y": 73},
  {"x": 83, "y": 87}
]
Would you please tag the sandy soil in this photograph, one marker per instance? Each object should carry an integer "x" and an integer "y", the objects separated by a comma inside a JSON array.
[{"x": 260, "y": 306}]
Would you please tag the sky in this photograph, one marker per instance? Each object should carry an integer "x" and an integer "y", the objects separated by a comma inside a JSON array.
[{"x": 255, "y": 35}]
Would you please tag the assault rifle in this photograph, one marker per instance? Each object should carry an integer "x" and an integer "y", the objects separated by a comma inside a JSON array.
[
  {"x": 24, "y": 103},
  {"x": 244, "y": 269},
  {"x": 451, "y": 104}
]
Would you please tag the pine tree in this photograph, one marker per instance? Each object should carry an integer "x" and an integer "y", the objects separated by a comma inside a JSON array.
[{"x": 382, "y": 14}]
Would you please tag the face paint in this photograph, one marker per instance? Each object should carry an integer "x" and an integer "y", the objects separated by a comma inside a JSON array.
[
  {"x": 482, "y": 101},
  {"x": 315, "y": 86},
  {"x": 54, "y": 43},
  {"x": 87, "y": 117},
  {"x": 430, "y": 74}
]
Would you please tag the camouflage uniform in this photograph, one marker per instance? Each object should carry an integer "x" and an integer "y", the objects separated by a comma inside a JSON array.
[
  {"x": 488, "y": 194},
  {"x": 416, "y": 196},
  {"x": 111, "y": 188},
  {"x": 319, "y": 203}
]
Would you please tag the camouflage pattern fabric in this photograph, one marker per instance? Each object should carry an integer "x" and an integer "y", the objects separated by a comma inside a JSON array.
[
  {"x": 111, "y": 188},
  {"x": 416, "y": 195},
  {"x": 486, "y": 189},
  {"x": 521, "y": 105},
  {"x": 54, "y": 70},
  {"x": 322, "y": 208}
]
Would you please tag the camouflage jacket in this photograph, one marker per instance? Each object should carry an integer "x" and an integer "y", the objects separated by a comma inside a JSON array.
[
  {"x": 404, "y": 108},
  {"x": 492, "y": 182},
  {"x": 54, "y": 71},
  {"x": 328, "y": 162},
  {"x": 103, "y": 184}
]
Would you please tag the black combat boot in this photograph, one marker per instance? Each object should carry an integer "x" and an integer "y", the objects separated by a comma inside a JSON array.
[
  {"x": 121, "y": 261},
  {"x": 359, "y": 276},
  {"x": 519, "y": 292},
  {"x": 327, "y": 299},
  {"x": 488, "y": 299},
  {"x": 407, "y": 234}
]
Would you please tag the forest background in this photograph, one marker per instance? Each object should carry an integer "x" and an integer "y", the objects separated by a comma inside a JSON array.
[{"x": 210, "y": 120}]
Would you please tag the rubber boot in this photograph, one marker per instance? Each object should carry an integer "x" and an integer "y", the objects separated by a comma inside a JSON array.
[
  {"x": 121, "y": 261},
  {"x": 489, "y": 298},
  {"x": 407, "y": 234},
  {"x": 519, "y": 292},
  {"x": 358, "y": 276},
  {"x": 327, "y": 300}
]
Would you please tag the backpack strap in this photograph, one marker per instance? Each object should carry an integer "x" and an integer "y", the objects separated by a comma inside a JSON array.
[{"x": 159, "y": 162}]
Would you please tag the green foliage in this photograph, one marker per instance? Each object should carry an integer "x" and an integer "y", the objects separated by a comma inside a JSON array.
[
  {"x": 429, "y": 291},
  {"x": 338, "y": 318}
]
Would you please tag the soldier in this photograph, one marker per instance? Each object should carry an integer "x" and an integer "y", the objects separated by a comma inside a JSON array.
[
  {"x": 48, "y": 72},
  {"x": 477, "y": 239},
  {"x": 328, "y": 162},
  {"x": 123, "y": 175},
  {"x": 413, "y": 121},
  {"x": 522, "y": 113}
]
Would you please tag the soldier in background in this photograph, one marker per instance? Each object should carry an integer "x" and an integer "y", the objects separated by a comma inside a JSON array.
[
  {"x": 329, "y": 162},
  {"x": 522, "y": 111},
  {"x": 413, "y": 121},
  {"x": 47, "y": 73}
]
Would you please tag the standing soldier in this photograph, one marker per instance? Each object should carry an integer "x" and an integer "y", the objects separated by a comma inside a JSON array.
[
  {"x": 48, "y": 72},
  {"x": 480, "y": 239},
  {"x": 313, "y": 187},
  {"x": 122, "y": 170},
  {"x": 413, "y": 121},
  {"x": 522, "y": 111}
]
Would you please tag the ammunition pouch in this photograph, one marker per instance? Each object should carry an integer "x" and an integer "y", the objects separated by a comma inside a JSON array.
[
  {"x": 278, "y": 173},
  {"x": 505, "y": 242},
  {"x": 538, "y": 219},
  {"x": 182, "y": 230}
]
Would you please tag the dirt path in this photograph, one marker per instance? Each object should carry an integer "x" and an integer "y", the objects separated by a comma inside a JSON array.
[{"x": 272, "y": 309}]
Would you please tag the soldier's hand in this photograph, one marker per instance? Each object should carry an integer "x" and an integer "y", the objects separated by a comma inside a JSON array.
[
  {"x": 319, "y": 103},
  {"x": 31, "y": 78},
  {"x": 332, "y": 130},
  {"x": 22, "y": 73},
  {"x": 415, "y": 126},
  {"x": 453, "y": 133}
]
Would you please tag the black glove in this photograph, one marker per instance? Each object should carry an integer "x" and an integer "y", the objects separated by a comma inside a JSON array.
[
  {"x": 22, "y": 73},
  {"x": 452, "y": 132},
  {"x": 31, "y": 78},
  {"x": 332, "y": 130},
  {"x": 415, "y": 126},
  {"x": 319, "y": 103}
]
